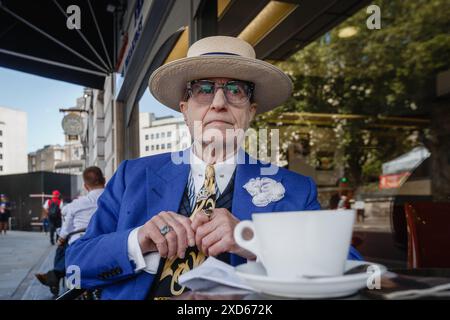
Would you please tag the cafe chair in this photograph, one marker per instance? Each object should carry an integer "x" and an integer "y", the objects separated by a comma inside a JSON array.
[
  {"x": 428, "y": 226},
  {"x": 80, "y": 294}
]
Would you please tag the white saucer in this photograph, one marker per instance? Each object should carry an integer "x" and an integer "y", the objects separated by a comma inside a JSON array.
[{"x": 254, "y": 274}]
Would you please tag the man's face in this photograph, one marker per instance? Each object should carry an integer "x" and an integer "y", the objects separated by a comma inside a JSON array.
[{"x": 218, "y": 116}]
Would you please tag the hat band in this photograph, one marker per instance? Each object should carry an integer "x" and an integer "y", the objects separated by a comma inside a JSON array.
[{"x": 220, "y": 53}]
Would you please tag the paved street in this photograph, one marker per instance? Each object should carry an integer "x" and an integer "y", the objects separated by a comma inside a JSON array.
[{"x": 22, "y": 254}]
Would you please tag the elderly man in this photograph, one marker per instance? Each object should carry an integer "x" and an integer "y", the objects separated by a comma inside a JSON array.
[{"x": 160, "y": 217}]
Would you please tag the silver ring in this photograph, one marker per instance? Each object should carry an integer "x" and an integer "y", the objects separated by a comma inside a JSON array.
[{"x": 165, "y": 229}]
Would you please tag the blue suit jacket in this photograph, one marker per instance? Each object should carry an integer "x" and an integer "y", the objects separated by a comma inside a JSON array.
[{"x": 142, "y": 188}]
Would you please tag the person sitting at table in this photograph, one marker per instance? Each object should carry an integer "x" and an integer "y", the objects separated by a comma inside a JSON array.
[
  {"x": 77, "y": 215},
  {"x": 162, "y": 215}
]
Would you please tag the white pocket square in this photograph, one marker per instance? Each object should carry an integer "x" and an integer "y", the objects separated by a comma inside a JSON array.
[{"x": 264, "y": 191}]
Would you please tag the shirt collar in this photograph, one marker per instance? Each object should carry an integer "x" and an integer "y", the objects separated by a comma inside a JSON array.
[
  {"x": 95, "y": 191},
  {"x": 223, "y": 171}
]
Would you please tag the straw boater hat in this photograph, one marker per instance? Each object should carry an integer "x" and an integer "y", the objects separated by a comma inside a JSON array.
[{"x": 221, "y": 57}]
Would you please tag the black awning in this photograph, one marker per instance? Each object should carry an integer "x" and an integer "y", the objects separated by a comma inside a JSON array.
[
  {"x": 307, "y": 22},
  {"x": 34, "y": 38}
]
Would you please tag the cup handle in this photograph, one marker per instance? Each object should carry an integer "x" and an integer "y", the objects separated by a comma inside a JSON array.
[{"x": 250, "y": 245}]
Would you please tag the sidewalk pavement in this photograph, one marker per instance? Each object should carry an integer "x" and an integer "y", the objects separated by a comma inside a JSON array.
[{"x": 22, "y": 254}]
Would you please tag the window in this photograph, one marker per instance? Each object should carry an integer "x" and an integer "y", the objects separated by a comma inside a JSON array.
[
  {"x": 152, "y": 136},
  {"x": 1, "y": 168},
  {"x": 157, "y": 147},
  {"x": 146, "y": 148},
  {"x": 163, "y": 146},
  {"x": 1, "y": 133},
  {"x": 58, "y": 155},
  {"x": 1, "y": 144},
  {"x": 163, "y": 135},
  {"x": 153, "y": 148},
  {"x": 169, "y": 134},
  {"x": 157, "y": 136},
  {"x": 146, "y": 137},
  {"x": 1, "y": 156},
  {"x": 169, "y": 145}
]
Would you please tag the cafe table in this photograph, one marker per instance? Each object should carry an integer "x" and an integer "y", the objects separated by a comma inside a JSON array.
[{"x": 393, "y": 281}]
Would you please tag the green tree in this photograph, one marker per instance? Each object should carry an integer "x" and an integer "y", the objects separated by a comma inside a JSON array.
[{"x": 390, "y": 71}]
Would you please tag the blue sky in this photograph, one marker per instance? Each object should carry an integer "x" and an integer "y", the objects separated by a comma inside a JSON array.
[{"x": 42, "y": 98}]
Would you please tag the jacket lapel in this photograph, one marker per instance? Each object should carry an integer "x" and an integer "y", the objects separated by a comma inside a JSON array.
[{"x": 165, "y": 186}]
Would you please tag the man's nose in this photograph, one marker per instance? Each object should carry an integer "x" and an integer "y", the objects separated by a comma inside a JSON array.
[{"x": 220, "y": 101}]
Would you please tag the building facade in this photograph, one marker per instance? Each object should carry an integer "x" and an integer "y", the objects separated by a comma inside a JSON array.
[
  {"x": 46, "y": 158},
  {"x": 94, "y": 138},
  {"x": 13, "y": 141},
  {"x": 102, "y": 140},
  {"x": 162, "y": 134},
  {"x": 73, "y": 157},
  {"x": 67, "y": 159}
]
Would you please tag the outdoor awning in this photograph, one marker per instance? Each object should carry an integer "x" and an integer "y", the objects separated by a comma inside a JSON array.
[
  {"x": 406, "y": 162},
  {"x": 277, "y": 29},
  {"x": 34, "y": 38}
]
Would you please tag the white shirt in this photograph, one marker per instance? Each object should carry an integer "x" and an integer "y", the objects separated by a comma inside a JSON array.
[
  {"x": 78, "y": 213},
  {"x": 223, "y": 173}
]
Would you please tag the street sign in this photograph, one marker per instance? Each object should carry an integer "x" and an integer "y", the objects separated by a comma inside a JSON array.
[{"x": 72, "y": 124}]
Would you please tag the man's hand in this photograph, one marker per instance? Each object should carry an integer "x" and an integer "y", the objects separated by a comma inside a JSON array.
[
  {"x": 61, "y": 241},
  {"x": 214, "y": 235},
  {"x": 174, "y": 243}
]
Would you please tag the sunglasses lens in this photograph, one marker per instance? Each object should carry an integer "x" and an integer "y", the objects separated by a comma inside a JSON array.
[
  {"x": 236, "y": 92},
  {"x": 203, "y": 92}
]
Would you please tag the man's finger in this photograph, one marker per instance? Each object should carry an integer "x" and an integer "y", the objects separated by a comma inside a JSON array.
[
  {"x": 217, "y": 248},
  {"x": 199, "y": 219},
  {"x": 153, "y": 233},
  {"x": 203, "y": 231},
  {"x": 179, "y": 229},
  {"x": 171, "y": 236},
  {"x": 211, "y": 239},
  {"x": 187, "y": 225}
]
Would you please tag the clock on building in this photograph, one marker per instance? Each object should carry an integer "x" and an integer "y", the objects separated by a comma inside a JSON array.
[{"x": 72, "y": 124}]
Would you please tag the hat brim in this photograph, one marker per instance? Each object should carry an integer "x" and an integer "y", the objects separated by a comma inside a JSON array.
[{"x": 272, "y": 86}]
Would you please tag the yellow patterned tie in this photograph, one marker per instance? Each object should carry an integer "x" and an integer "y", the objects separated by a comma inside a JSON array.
[
  {"x": 175, "y": 267},
  {"x": 206, "y": 197}
]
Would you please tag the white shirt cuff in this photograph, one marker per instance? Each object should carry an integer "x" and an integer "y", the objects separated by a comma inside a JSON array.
[{"x": 148, "y": 263}]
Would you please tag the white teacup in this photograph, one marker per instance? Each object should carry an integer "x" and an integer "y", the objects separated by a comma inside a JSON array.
[{"x": 299, "y": 243}]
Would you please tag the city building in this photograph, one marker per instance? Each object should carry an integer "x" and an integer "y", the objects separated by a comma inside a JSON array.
[
  {"x": 100, "y": 137},
  {"x": 59, "y": 159},
  {"x": 162, "y": 134},
  {"x": 46, "y": 158},
  {"x": 13, "y": 141},
  {"x": 73, "y": 157}
]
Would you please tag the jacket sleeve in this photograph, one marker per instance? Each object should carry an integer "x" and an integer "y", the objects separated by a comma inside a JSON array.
[
  {"x": 101, "y": 255},
  {"x": 311, "y": 201}
]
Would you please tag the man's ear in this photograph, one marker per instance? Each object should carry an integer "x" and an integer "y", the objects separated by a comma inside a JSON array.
[
  {"x": 253, "y": 108},
  {"x": 183, "y": 106}
]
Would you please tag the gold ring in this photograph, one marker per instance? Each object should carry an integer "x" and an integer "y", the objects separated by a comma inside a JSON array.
[{"x": 208, "y": 212}]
